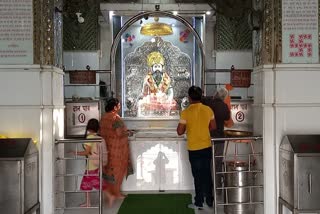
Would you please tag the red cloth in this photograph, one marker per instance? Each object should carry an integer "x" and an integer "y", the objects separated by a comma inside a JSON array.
[{"x": 91, "y": 180}]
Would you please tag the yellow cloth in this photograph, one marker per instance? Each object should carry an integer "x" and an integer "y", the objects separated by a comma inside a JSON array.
[
  {"x": 197, "y": 118},
  {"x": 90, "y": 165}
]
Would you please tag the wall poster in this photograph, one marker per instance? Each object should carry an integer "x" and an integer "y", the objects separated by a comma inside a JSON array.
[
  {"x": 300, "y": 31},
  {"x": 16, "y": 32}
]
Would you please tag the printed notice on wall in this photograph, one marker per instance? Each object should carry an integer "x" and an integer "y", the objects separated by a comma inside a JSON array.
[
  {"x": 300, "y": 31},
  {"x": 16, "y": 32}
]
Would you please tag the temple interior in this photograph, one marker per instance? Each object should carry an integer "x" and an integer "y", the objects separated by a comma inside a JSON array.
[{"x": 62, "y": 60}]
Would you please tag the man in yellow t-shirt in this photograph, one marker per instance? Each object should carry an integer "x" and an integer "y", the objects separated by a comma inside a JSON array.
[{"x": 197, "y": 120}]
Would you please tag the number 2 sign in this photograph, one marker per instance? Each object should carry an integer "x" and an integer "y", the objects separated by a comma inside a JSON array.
[
  {"x": 241, "y": 112},
  {"x": 240, "y": 116}
]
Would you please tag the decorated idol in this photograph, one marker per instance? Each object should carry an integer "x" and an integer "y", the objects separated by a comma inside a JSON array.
[
  {"x": 157, "y": 80},
  {"x": 157, "y": 92}
]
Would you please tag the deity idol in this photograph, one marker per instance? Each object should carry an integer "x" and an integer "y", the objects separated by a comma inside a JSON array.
[
  {"x": 157, "y": 80},
  {"x": 157, "y": 91}
]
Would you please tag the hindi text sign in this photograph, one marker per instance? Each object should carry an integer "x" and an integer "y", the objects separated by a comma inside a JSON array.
[
  {"x": 16, "y": 32},
  {"x": 240, "y": 78},
  {"x": 300, "y": 31},
  {"x": 78, "y": 114}
]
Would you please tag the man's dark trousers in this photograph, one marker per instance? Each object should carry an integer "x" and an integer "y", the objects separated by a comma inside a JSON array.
[{"x": 200, "y": 161}]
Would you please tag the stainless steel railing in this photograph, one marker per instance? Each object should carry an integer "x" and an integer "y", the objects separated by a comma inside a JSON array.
[
  {"x": 62, "y": 159},
  {"x": 240, "y": 168}
]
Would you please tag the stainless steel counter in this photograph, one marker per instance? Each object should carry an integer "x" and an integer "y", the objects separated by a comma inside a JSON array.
[
  {"x": 19, "y": 169},
  {"x": 299, "y": 173}
]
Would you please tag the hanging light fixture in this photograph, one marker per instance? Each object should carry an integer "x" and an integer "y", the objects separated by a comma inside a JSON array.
[{"x": 156, "y": 28}]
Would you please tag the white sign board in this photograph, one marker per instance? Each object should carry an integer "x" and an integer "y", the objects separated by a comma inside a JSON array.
[
  {"x": 241, "y": 113},
  {"x": 78, "y": 114},
  {"x": 16, "y": 32},
  {"x": 300, "y": 31}
]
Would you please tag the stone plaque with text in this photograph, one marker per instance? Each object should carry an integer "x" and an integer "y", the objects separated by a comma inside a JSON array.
[{"x": 16, "y": 32}]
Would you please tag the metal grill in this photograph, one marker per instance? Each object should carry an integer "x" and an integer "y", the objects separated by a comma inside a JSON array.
[
  {"x": 67, "y": 176},
  {"x": 239, "y": 189}
]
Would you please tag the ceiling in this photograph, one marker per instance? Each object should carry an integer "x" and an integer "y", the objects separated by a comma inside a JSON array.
[
  {"x": 229, "y": 8},
  {"x": 136, "y": 1}
]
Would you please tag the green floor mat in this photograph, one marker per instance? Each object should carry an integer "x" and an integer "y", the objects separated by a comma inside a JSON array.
[{"x": 156, "y": 204}]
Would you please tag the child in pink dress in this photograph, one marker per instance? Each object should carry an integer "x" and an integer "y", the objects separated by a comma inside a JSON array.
[{"x": 91, "y": 178}]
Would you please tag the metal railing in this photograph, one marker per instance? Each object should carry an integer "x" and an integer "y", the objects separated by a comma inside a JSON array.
[
  {"x": 63, "y": 157},
  {"x": 247, "y": 159}
]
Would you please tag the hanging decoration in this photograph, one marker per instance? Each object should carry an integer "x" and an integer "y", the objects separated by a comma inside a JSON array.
[
  {"x": 128, "y": 38},
  {"x": 184, "y": 36}
]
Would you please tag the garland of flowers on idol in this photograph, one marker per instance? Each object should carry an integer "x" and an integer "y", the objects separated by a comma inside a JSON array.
[{"x": 163, "y": 86}]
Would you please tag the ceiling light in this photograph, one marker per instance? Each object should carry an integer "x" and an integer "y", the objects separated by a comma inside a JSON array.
[
  {"x": 208, "y": 12},
  {"x": 175, "y": 13}
]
